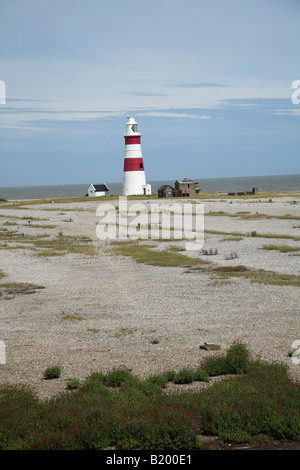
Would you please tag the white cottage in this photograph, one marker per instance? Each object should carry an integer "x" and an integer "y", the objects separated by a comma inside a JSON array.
[{"x": 98, "y": 190}]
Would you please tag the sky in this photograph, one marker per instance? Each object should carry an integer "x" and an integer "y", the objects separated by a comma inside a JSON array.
[{"x": 209, "y": 83}]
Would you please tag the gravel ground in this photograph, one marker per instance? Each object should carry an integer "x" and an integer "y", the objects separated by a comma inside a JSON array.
[{"x": 145, "y": 318}]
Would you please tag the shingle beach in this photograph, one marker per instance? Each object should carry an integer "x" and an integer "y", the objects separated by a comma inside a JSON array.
[{"x": 103, "y": 311}]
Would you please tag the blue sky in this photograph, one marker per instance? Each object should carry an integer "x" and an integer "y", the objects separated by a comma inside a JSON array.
[{"x": 209, "y": 82}]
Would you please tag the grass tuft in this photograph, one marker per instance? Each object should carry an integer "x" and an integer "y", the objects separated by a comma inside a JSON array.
[
  {"x": 281, "y": 248},
  {"x": 143, "y": 254},
  {"x": 73, "y": 317},
  {"x": 10, "y": 289},
  {"x": 52, "y": 372}
]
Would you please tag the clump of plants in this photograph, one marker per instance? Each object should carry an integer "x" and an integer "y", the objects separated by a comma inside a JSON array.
[
  {"x": 116, "y": 378},
  {"x": 209, "y": 252},
  {"x": 235, "y": 361},
  {"x": 72, "y": 384},
  {"x": 52, "y": 372},
  {"x": 184, "y": 376},
  {"x": 232, "y": 255}
]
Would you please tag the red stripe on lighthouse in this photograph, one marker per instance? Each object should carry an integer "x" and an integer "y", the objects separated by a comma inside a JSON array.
[
  {"x": 132, "y": 139},
  {"x": 133, "y": 164}
]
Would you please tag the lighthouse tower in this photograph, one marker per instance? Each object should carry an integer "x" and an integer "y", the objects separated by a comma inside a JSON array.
[{"x": 134, "y": 179}]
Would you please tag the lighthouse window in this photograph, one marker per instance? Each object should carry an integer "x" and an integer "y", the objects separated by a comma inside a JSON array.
[
  {"x": 141, "y": 166},
  {"x": 134, "y": 128}
]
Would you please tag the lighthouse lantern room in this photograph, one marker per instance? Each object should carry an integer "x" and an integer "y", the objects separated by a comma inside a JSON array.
[{"x": 134, "y": 179}]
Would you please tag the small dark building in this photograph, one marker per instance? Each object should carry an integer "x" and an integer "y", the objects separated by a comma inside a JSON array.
[
  {"x": 243, "y": 193},
  {"x": 186, "y": 188},
  {"x": 166, "y": 191}
]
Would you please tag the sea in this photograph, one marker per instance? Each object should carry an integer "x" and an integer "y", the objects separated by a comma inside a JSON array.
[{"x": 214, "y": 185}]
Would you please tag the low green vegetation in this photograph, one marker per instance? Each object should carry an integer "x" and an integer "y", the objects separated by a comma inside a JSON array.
[
  {"x": 52, "y": 372},
  {"x": 46, "y": 246},
  {"x": 146, "y": 255},
  {"x": 73, "y": 317},
  {"x": 117, "y": 410},
  {"x": 260, "y": 276},
  {"x": 9, "y": 290},
  {"x": 281, "y": 248},
  {"x": 249, "y": 215},
  {"x": 47, "y": 226},
  {"x": 28, "y": 224},
  {"x": 23, "y": 218},
  {"x": 143, "y": 254},
  {"x": 232, "y": 239},
  {"x": 13, "y": 237},
  {"x": 254, "y": 234},
  {"x": 63, "y": 244},
  {"x": 121, "y": 333},
  {"x": 259, "y": 197},
  {"x": 209, "y": 252},
  {"x": 231, "y": 255},
  {"x": 72, "y": 384}
]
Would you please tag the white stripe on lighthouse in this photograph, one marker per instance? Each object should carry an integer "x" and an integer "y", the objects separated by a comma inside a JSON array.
[{"x": 133, "y": 151}]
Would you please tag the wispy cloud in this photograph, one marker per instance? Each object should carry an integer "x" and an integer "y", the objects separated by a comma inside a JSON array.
[
  {"x": 173, "y": 115},
  {"x": 24, "y": 100},
  {"x": 287, "y": 112},
  {"x": 145, "y": 93},
  {"x": 198, "y": 85}
]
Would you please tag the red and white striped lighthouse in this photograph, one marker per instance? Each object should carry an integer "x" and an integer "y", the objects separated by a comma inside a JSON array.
[{"x": 134, "y": 179}]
